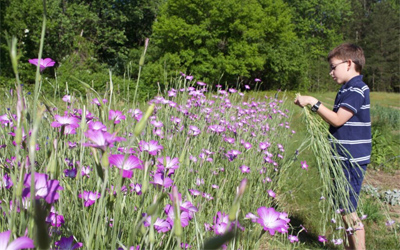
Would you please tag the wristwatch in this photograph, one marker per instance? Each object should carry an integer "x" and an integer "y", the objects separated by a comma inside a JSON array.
[{"x": 315, "y": 107}]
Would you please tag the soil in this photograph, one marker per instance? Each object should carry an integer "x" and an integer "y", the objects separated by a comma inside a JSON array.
[{"x": 385, "y": 181}]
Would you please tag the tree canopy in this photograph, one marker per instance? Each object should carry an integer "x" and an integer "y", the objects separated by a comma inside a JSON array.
[{"x": 282, "y": 42}]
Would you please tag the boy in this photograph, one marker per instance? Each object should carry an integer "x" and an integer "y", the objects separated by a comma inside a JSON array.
[{"x": 350, "y": 124}]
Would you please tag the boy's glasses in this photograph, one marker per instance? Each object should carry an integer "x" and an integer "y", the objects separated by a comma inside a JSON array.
[{"x": 333, "y": 67}]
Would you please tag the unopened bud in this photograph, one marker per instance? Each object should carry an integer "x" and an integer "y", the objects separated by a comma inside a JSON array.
[
  {"x": 18, "y": 136},
  {"x": 233, "y": 211},
  {"x": 142, "y": 123},
  {"x": 104, "y": 159}
]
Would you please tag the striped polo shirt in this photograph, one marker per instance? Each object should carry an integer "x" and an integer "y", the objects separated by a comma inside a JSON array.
[{"x": 355, "y": 134}]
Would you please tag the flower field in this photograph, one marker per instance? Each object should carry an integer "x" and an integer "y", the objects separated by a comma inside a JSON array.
[
  {"x": 193, "y": 165},
  {"x": 197, "y": 166}
]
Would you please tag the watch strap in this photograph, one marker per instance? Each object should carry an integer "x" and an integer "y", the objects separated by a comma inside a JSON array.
[{"x": 315, "y": 107}]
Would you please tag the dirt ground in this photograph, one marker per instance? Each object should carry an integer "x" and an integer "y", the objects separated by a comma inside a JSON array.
[{"x": 385, "y": 181}]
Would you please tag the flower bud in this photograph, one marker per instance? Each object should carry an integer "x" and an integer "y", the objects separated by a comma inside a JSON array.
[
  {"x": 142, "y": 123},
  {"x": 18, "y": 136}
]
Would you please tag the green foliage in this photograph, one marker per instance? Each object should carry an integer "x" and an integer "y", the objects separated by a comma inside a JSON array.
[
  {"x": 235, "y": 39},
  {"x": 385, "y": 138}
]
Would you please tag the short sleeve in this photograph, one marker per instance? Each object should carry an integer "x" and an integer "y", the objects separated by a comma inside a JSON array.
[{"x": 353, "y": 99}]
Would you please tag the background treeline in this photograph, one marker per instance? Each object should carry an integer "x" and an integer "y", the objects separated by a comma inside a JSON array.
[{"x": 282, "y": 42}]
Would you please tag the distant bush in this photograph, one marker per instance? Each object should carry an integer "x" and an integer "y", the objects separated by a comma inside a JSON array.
[{"x": 385, "y": 138}]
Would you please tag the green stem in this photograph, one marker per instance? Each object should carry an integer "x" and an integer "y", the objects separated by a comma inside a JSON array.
[{"x": 38, "y": 78}]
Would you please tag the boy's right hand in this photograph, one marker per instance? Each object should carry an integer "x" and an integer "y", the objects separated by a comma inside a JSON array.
[{"x": 303, "y": 101}]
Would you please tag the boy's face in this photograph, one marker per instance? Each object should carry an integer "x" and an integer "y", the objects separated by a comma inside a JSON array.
[{"x": 339, "y": 70}]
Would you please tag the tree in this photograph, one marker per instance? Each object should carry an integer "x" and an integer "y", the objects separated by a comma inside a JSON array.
[
  {"x": 319, "y": 25},
  {"x": 382, "y": 48},
  {"x": 226, "y": 39}
]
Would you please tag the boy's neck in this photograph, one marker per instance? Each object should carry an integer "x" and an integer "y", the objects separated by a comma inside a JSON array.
[{"x": 352, "y": 75}]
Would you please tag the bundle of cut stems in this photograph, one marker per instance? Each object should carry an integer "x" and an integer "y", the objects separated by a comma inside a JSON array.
[{"x": 335, "y": 188}]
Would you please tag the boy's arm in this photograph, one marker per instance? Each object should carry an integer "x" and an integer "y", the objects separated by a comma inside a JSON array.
[{"x": 335, "y": 119}]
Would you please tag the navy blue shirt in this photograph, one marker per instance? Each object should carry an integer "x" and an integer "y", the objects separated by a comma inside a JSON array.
[{"x": 355, "y": 134}]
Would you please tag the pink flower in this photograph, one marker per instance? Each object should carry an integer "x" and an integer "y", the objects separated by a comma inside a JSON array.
[
  {"x": 67, "y": 244},
  {"x": 131, "y": 162},
  {"x": 257, "y": 80},
  {"x": 160, "y": 180},
  {"x": 89, "y": 197},
  {"x": 44, "y": 63},
  {"x": 116, "y": 116},
  {"x": 101, "y": 139},
  {"x": 272, "y": 220},
  {"x": 304, "y": 165},
  {"x": 152, "y": 147},
  {"x": 244, "y": 169},
  {"x": 322, "y": 239},
  {"x": 70, "y": 123},
  {"x": 271, "y": 193},
  {"x": 46, "y": 189},
  {"x": 19, "y": 243},
  {"x": 293, "y": 238}
]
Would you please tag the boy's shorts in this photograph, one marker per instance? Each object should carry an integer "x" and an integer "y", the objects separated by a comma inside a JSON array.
[{"x": 355, "y": 176}]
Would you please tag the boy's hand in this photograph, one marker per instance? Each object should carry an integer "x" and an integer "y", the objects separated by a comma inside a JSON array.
[{"x": 303, "y": 101}]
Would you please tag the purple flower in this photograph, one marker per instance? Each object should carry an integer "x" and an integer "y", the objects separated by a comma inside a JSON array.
[
  {"x": 152, "y": 147},
  {"x": 67, "y": 244},
  {"x": 19, "y": 243},
  {"x": 160, "y": 180},
  {"x": 193, "y": 130},
  {"x": 71, "y": 173},
  {"x": 337, "y": 241},
  {"x": 221, "y": 222},
  {"x": 252, "y": 217},
  {"x": 157, "y": 124},
  {"x": 232, "y": 154},
  {"x": 54, "y": 218},
  {"x": 137, "y": 188},
  {"x": 89, "y": 197},
  {"x": 168, "y": 163},
  {"x": 257, "y": 80},
  {"x": 304, "y": 165},
  {"x": 43, "y": 188},
  {"x": 293, "y": 238},
  {"x": 322, "y": 239},
  {"x": 201, "y": 83},
  {"x": 169, "y": 210},
  {"x": 67, "y": 98},
  {"x": 101, "y": 139},
  {"x": 86, "y": 171},
  {"x": 217, "y": 128},
  {"x": 7, "y": 182},
  {"x": 97, "y": 126},
  {"x": 271, "y": 193},
  {"x": 97, "y": 102},
  {"x": 131, "y": 162},
  {"x": 162, "y": 225},
  {"x": 272, "y": 220},
  {"x": 116, "y": 116},
  {"x": 44, "y": 63},
  {"x": 194, "y": 192},
  {"x": 247, "y": 145},
  {"x": 246, "y": 86},
  {"x": 389, "y": 222},
  {"x": 70, "y": 123},
  {"x": 244, "y": 169}
]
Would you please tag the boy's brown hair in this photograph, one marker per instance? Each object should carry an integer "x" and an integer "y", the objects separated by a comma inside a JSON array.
[{"x": 347, "y": 51}]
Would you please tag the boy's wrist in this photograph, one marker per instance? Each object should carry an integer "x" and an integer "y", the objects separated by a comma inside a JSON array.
[{"x": 315, "y": 107}]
